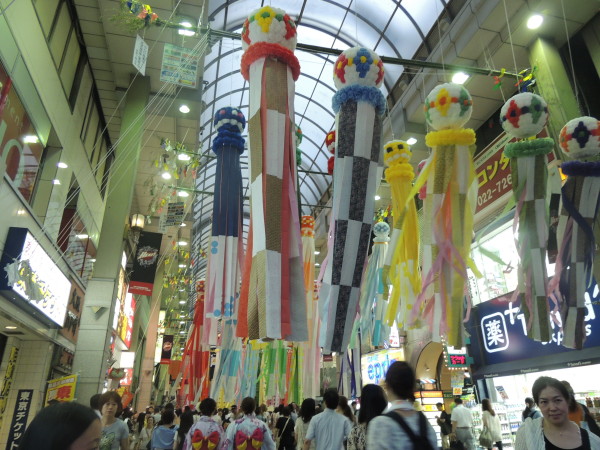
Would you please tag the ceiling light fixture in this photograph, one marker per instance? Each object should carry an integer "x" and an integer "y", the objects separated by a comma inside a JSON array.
[
  {"x": 182, "y": 243},
  {"x": 183, "y": 157},
  {"x": 411, "y": 141},
  {"x": 183, "y": 193},
  {"x": 21, "y": 212},
  {"x": 182, "y": 266},
  {"x": 317, "y": 252},
  {"x": 10, "y": 327},
  {"x": 183, "y": 224},
  {"x": 182, "y": 302},
  {"x": 31, "y": 139},
  {"x": 182, "y": 322},
  {"x": 377, "y": 197},
  {"x": 535, "y": 21},
  {"x": 56, "y": 181},
  {"x": 93, "y": 260},
  {"x": 81, "y": 236},
  {"x": 185, "y": 31},
  {"x": 166, "y": 175},
  {"x": 62, "y": 165},
  {"x": 460, "y": 78},
  {"x": 184, "y": 109}
]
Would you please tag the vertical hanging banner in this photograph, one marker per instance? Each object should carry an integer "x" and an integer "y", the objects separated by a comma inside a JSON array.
[
  {"x": 19, "y": 420},
  {"x": 140, "y": 55},
  {"x": 167, "y": 347},
  {"x": 145, "y": 263}
]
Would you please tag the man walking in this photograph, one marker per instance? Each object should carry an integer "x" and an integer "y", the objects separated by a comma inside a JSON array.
[
  {"x": 462, "y": 424},
  {"x": 443, "y": 420},
  {"x": 328, "y": 429}
]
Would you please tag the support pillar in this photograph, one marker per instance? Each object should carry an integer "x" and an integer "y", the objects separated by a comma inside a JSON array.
[
  {"x": 553, "y": 84},
  {"x": 92, "y": 352}
]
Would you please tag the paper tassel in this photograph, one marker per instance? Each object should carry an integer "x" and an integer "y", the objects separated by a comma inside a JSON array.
[
  {"x": 524, "y": 116},
  {"x": 272, "y": 298},
  {"x": 359, "y": 104}
]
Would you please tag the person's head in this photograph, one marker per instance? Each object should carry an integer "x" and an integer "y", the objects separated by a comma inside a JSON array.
[
  {"x": 529, "y": 402},
  {"x": 372, "y": 403},
  {"x": 307, "y": 409},
  {"x": 234, "y": 409},
  {"x": 167, "y": 417},
  {"x": 187, "y": 408},
  {"x": 458, "y": 401},
  {"x": 224, "y": 412},
  {"x": 185, "y": 422},
  {"x": 207, "y": 406},
  {"x": 94, "y": 402},
  {"x": 64, "y": 426},
  {"x": 149, "y": 410},
  {"x": 353, "y": 405},
  {"x": 248, "y": 405},
  {"x": 440, "y": 406},
  {"x": 331, "y": 398},
  {"x": 400, "y": 381},
  {"x": 286, "y": 411},
  {"x": 552, "y": 397},
  {"x": 110, "y": 404},
  {"x": 170, "y": 406},
  {"x": 486, "y": 405},
  {"x": 150, "y": 421},
  {"x": 140, "y": 420}
]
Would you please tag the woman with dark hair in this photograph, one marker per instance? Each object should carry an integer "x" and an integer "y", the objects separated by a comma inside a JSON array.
[
  {"x": 579, "y": 413},
  {"x": 344, "y": 409},
  {"x": 307, "y": 411},
  {"x": 373, "y": 402},
  {"x": 146, "y": 433},
  {"x": 186, "y": 420},
  {"x": 401, "y": 427},
  {"x": 491, "y": 421},
  {"x": 206, "y": 432},
  {"x": 248, "y": 431},
  {"x": 553, "y": 430},
  {"x": 63, "y": 426},
  {"x": 285, "y": 429},
  {"x": 530, "y": 410},
  {"x": 115, "y": 434},
  {"x": 163, "y": 436}
]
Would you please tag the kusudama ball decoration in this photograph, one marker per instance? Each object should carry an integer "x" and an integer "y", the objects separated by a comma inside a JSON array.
[
  {"x": 448, "y": 106},
  {"x": 358, "y": 66},
  {"x": 580, "y": 138},
  {"x": 524, "y": 115},
  {"x": 381, "y": 229},
  {"x": 271, "y": 25}
]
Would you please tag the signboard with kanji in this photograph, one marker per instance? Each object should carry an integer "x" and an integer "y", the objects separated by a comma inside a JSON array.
[
  {"x": 19, "y": 420},
  {"x": 62, "y": 389}
]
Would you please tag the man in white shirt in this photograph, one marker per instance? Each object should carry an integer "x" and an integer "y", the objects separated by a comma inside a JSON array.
[
  {"x": 462, "y": 424},
  {"x": 328, "y": 429}
]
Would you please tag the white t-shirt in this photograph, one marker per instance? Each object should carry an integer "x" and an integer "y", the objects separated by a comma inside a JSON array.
[{"x": 462, "y": 416}]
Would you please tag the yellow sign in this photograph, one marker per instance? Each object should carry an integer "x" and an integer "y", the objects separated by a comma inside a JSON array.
[
  {"x": 457, "y": 391},
  {"x": 62, "y": 389},
  {"x": 8, "y": 379}
]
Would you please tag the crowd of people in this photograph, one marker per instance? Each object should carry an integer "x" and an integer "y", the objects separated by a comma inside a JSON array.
[{"x": 387, "y": 419}]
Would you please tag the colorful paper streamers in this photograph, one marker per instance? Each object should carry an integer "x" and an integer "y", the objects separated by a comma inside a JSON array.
[
  {"x": 580, "y": 142},
  {"x": 359, "y": 105},
  {"x": 272, "y": 302},
  {"x": 524, "y": 116},
  {"x": 401, "y": 270},
  {"x": 448, "y": 209},
  {"x": 226, "y": 246},
  {"x": 372, "y": 304}
]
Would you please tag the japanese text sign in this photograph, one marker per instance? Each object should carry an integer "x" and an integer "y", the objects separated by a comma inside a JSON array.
[
  {"x": 62, "y": 389},
  {"x": 19, "y": 420}
]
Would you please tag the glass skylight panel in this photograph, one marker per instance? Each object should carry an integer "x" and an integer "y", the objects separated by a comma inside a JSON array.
[
  {"x": 326, "y": 13},
  {"x": 424, "y": 12}
]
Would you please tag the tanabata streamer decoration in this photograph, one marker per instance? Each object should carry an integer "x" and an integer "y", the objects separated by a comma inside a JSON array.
[
  {"x": 311, "y": 353},
  {"x": 225, "y": 256},
  {"x": 330, "y": 143},
  {"x": 401, "y": 269},
  {"x": 272, "y": 302},
  {"x": 359, "y": 105},
  {"x": 372, "y": 305},
  {"x": 580, "y": 142},
  {"x": 524, "y": 116},
  {"x": 448, "y": 209}
]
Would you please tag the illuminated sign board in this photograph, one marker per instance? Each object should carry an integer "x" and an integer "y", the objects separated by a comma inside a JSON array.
[
  {"x": 375, "y": 365},
  {"x": 31, "y": 279}
]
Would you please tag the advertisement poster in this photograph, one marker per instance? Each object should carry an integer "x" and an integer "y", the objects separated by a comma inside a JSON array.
[
  {"x": 179, "y": 66},
  {"x": 19, "y": 420},
  {"x": 375, "y": 365},
  {"x": 70, "y": 329},
  {"x": 167, "y": 347},
  {"x": 8, "y": 380},
  {"x": 61, "y": 389},
  {"x": 175, "y": 213},
  {"x": 145, "y": 263}
]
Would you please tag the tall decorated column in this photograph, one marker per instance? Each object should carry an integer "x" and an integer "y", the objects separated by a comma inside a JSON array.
[
  {"x": 359, "y": 106},
  {"x": 272, "y": 302}
]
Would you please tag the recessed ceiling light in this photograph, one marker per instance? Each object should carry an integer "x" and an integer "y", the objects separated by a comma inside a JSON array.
[
  {"x": 182, "y": 322},
  {"x": 183, "y": 193},
  {"x": 182, "y": 265},
  {"x": 81, "y": 236},
  {"x": 460, "y": 78},
  {"x": 62, "y": 165},
  {"x": 10, "y": 327},
  {"x": 317, "y": 264},
  {"x": 182, "y": 302},
  {"x": 184, "y": 109},
  {"x": 31, "y": 139},
  {"x": 185, "y": 24},
  {"x": 411, "y": 141},
  {"x": 166, "y": 175},
  {"x": 93, "y": 260},
  {"x": 21, "y": 212},
  {"x": 377, "y": 197},
  {"x": 535, "y": 21},
  {"x": 184, "y": 157},
  {"x": 182, "y": 332},
  {"x": 317, "y": 252},
  {"x": 56, "y": 181},
  {"x": 183, "y": 224},
  {"x": 182, "y": 243}
]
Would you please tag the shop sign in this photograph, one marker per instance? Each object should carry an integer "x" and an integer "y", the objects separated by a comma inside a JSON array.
[
  {"x": 62, "y": 389},
  {"x": 20, "y": 157},
  {"x": 30, "y": 278},
  {"x": 128, "y": 378},
  {"x": 448, "y": 394},
  {"x": 19, "y": 420},
  {"x": 167, "y": 348},
  {"x": 375, "y": 365},
  {"x": 145, "y": 263},
  {"x": 125, "y": 319},
  {"x": 179, "y": 66},
  {"x": 175, "y": 213},
  {"x": 63, "y": 359},
  {"x": 503, "y": 330},
  {"x": 70, "y": 329},
  {"x": 8, "y": 379}
]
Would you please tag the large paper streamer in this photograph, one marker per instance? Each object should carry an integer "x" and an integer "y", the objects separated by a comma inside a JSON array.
[
  {"x": 272, "y": 296},
  {"x": 226, "y": 247},
  {"x": 580, "y": 142},
  {"x": 358, "y": 104},
  {"x": 524, "y": 116},
  {"x": 448, "y": 210},
  {"x": 401, "y": 269}
]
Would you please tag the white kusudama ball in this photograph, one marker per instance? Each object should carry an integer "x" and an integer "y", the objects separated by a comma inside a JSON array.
[
  {"x": 381, "y": 229},
  {"x": 448, "y": 106},
  {"x": 580, "y": 138},
  {"x": 358, "y": 65},
  {"x": 271, "y": 25},
  {"x": 524, "y": 115}
]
